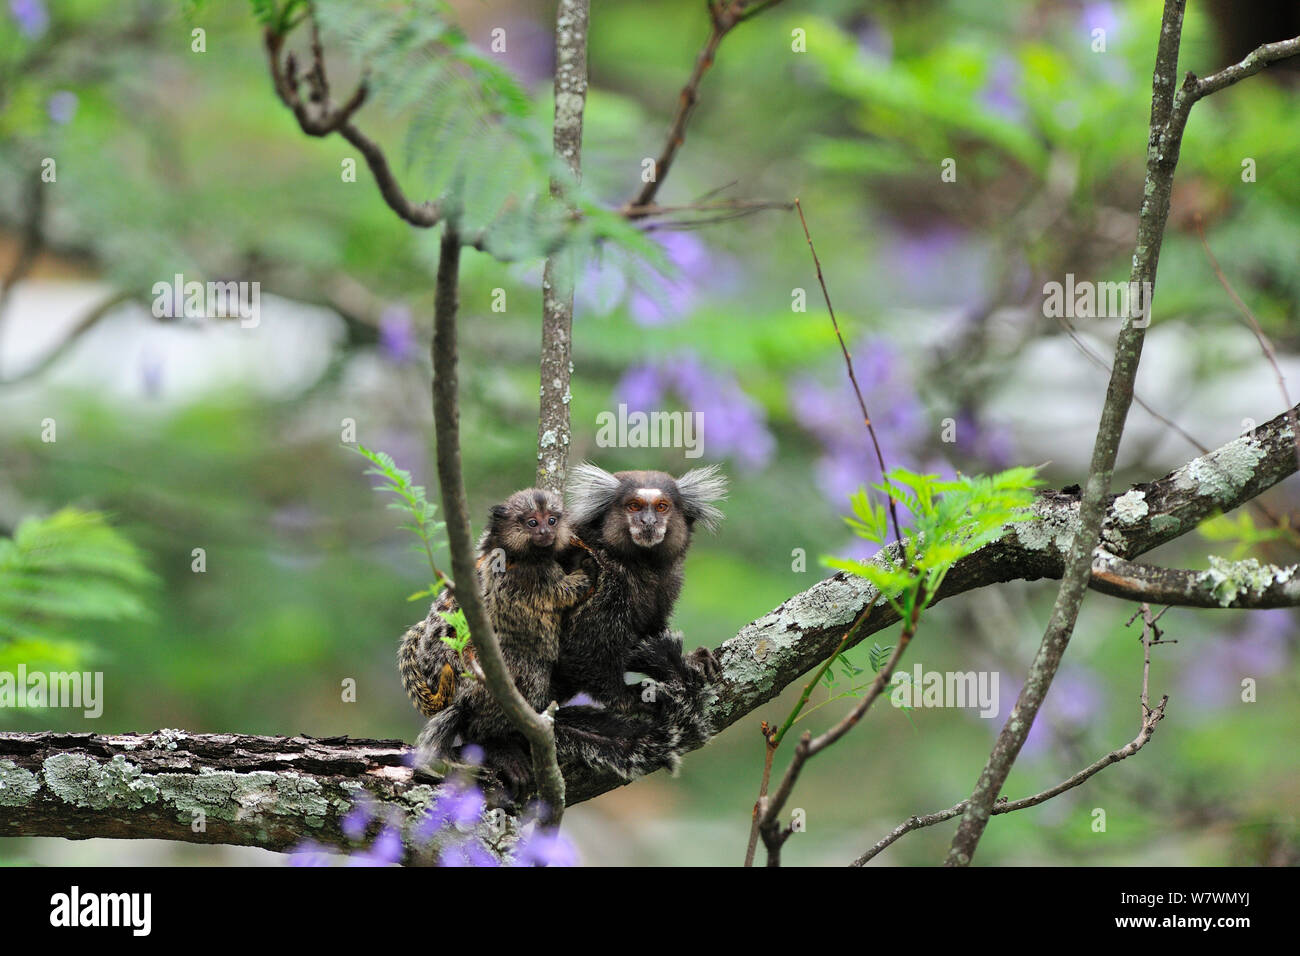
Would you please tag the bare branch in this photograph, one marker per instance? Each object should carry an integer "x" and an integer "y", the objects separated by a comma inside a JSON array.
[
  {"x": 537, "y": 728},
  {"x": 553, "y": 426},
  {"x": 83, "y": 325},
  {"x": 1265, "y": 345},
  {"x": 808, "y": 746},
  {"x": 725, "y": 14},
  {"x": 1169, "y": 113},
  {"x": 853, "y": 378},
  {"x": 324, "y": 120},
  {"x": 1150, "y": 717}
]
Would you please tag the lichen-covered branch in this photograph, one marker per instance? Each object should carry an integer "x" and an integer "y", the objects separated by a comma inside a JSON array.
[
  {"x": 571, "y": 20},
  {"x": 270, "y": 792},
  {"x": 1169, "y": 112},
  {"x": 758, "y": 663},
  {"x": 772, "y": 652}
]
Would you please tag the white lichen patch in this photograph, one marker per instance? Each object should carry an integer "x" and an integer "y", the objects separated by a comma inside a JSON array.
[
  {"x": 84, "y": 782},
  {"x": 1226, "y": 580},
  {"x": 1224, "y": 473},
  {"x": 1053, "y": 526},
  {"x": 833, "y": 602},
  {"x": 1131, "y": 507},
  {"x": 17, "y": 786}
]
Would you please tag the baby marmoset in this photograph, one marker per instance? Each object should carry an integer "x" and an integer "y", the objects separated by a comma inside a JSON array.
[
  {"x": 638, "y": 525},
  {"x": 525, "y": 591}
]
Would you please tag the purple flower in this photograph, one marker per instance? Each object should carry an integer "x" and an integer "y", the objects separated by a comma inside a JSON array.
[
  {"x": 1213, "y": 680},
  {"x": 356, "y": 821},
  {"x": 826, "y": 407},
  {"x": 472, "y": 754},
  {"x": 641, "y": 388},
  {"x": 397, "y": 334},
  {"x": 874, "y": 40},
  {"x": 600, "y": 289},
  {"x": 32, "y": 17},
  {"x": 469, "y": 853},
  {"x": 529, "y": 52},
  {"x": 1099, "y": 16},
  {"x": 935, "y": 266},
  {"x": 62, "y": 107},
  {"x": 546, "y": 848},
  {"x": 459, "y": 804},
  {"x": 385, "y": 851},
  {"x": 1002, "y": 91},
  {"x": 309, "y": 853},
  {"x": 990, "y": 444},
  {"x": 151, "y": 373},
  {"x": 732, "y": 424},
  {"x": 1073, "y": 700},
  {"x": 670, "y": 298}
]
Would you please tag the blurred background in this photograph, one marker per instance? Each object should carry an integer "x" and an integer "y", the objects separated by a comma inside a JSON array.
[{"x": 192, "y": 434}]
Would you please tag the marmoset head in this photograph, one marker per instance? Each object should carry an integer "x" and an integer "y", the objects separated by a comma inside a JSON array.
[
  {"x": 529, "y": 520},
  {"x": 645, "y": 509}
]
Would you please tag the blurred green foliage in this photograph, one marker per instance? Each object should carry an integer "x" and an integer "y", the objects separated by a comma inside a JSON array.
[{"x": 176, "y": 161}]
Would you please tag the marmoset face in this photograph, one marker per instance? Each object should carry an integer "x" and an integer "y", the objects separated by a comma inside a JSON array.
[
  {"x": 532, "y": 518},
  {"x": 649, "y": 512}
]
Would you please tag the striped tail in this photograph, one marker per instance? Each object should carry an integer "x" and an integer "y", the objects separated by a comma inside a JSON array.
[{"x": 416, "y": 681}]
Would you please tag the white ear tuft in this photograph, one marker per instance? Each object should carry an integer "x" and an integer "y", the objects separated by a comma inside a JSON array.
[
  {"x": 590, "y": 490},
  {"x": 699, "y": 488}
]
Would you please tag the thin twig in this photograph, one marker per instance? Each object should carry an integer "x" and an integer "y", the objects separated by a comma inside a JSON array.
[
  {"x": 1264, "y": 344},
  {"x": 537, "y": 728},
  {"x": 774, "y": 836},
  {"x": 1150, "y": 717},
  {"x": 853, "y": 378},
  {"x": 725, "y": 14}
]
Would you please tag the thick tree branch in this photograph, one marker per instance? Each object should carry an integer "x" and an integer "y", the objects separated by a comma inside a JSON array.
[
  {"x": 271, "y": 792},
  {"x": 773, "y": 651},
  {"x": 758, "y": 663}
]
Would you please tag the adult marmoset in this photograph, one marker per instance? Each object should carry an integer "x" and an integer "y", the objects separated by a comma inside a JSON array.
[
  {"x": 525, "y": 592},
  {"x": 638, "y": 526}
]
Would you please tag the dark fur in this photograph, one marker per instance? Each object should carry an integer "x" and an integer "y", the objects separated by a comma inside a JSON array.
[
  {"x": 638, "y": 525},
  {"x": 525, "y": 590},
  {"x": 525, "y": 605}
]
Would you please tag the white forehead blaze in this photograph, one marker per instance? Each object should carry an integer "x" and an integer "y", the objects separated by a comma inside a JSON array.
[{"x": 650, "y": 495}]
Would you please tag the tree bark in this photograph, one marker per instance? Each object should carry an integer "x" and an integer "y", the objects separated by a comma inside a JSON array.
[{"x": 274, "y": 791}]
